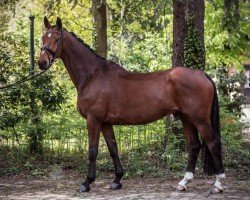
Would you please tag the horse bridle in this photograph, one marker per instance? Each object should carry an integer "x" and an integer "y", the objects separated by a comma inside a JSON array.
[{"x": 48, "y": 50}]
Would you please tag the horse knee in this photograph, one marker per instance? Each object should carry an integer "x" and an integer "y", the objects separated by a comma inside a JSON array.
[
  {"x": 214, "y": 146},
  {"x": 93, "y": 153},
  {"x": 113, "y": 152}
]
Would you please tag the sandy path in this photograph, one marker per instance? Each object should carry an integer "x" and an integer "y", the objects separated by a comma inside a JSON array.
[{"x": 149, "y": 188}]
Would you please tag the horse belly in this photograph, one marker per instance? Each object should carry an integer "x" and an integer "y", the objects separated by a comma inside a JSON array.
[
  {"x": 140, "y": 102},
  {"x": 136, "y": 115}
]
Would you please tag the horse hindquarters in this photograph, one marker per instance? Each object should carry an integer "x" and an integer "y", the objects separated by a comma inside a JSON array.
[{"x": 210, "y": 132}]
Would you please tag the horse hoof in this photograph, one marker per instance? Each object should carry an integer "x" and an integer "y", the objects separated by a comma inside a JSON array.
[
  {"x": 83, "y": 188},
  {"x": 181, "y": 188},
  {"x": 116, "y": 186},
  {"x": 216, "y": 190}
]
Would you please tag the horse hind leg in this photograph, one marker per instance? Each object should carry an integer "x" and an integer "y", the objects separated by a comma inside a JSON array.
[
  {"x": 109, "y": 136},
  {"x": 194, "y": 146},
  {"x": 214, "y": 145}
]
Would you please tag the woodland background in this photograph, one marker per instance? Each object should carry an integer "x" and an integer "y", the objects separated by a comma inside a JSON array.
[{"x": 143, "y": 35}]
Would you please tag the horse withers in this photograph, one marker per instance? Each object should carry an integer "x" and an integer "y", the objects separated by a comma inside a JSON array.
[{"x": 108, "y": 95}]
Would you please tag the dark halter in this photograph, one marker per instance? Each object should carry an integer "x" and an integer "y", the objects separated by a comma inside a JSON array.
[{"x": 48, "y": 50}]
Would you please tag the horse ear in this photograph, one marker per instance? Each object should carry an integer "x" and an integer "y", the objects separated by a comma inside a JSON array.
[
  {"x": 46, "y": 23},
  {"x": 58, "y": 23}
]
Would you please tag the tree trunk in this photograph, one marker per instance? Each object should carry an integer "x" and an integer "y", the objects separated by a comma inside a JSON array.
[
  {"x": 99, "y": 14},
  {"x": 184, "y": 10},
  {"x": 179, "y": 32},
  {"x": 197, "y": 9}
]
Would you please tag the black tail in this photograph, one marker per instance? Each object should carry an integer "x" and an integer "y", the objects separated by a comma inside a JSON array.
[{"x": 208, "y": 166}]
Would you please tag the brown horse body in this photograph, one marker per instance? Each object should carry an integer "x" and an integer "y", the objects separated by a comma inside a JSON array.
[
  {"x": 110, "y": 95},
  {"x": 132, "y": 98}
]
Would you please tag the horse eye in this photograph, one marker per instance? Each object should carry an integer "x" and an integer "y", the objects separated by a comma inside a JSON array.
[{"x": 57, "y": 39}]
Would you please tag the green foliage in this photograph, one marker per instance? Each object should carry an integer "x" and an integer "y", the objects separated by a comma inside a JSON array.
[
  {"x": 233, "y": 142},
  {"x": 225, "y": 48},
  {"x": 140, "y": 38},
  {"x": 231, "y": 91},
  {"x": 150, "y": 54},
  {"x": 194, "y": 53},
  {"x": 16, "y": 106}
]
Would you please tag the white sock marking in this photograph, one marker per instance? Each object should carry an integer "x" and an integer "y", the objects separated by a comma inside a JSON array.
[{"x": 188, "y": 177}]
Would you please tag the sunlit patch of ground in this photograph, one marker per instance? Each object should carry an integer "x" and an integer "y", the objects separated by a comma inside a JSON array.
[{"x": 61, "y": 186}]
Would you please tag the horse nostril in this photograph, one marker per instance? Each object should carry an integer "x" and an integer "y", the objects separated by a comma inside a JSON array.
[{"x": 44, "y": 63}]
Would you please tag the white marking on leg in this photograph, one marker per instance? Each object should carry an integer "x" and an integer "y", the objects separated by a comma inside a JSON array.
[
  {"x": 221, "y": 176},
  {"x": 217, "y": 185},
  {"x": 188, "y": 177}
]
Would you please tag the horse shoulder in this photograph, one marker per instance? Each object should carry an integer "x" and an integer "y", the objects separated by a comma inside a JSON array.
[{"x": 92, "y": 100}]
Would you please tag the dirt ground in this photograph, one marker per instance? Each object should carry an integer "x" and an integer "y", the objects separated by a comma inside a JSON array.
[{"x": 61, "y": 186}]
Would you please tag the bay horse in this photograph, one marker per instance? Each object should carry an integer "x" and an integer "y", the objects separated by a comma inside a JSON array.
[{"x": 108, "y": 95}]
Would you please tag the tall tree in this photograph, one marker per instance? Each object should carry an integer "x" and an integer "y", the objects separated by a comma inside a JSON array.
[
  {"x": 179, "y": 32},
  {"x": 188, "y": 33},
  {"x": 99, "y": 13}
]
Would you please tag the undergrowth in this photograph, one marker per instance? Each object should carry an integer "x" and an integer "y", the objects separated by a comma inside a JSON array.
[{"x": 155, "y": 160}]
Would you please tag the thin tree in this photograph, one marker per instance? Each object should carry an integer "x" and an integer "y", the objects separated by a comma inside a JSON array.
[{"x": 99, "y": 13}]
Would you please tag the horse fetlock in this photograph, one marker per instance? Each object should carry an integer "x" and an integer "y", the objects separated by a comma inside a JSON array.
[
  {"x": 217, "y": 188},
  {"x": 116, "y": 186},
  {"x": 84, "y": 188},
  {"x": 119, "y": 173},
  {"x": 221, "y": 176},
  {"x": 182, "y": 185},
  {"x": 189, "y": 176},
  {"x": 90, "y": 179},
  {"x": 217, "y": 185}
]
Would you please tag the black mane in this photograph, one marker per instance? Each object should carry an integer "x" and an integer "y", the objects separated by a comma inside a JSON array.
[{"x": 86, "y": 45}]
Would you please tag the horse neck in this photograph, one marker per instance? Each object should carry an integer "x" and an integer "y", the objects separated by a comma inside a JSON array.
[{"x": 81, "y": 63}]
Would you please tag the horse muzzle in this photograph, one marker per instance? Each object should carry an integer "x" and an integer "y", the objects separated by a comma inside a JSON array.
[{"x": 43, "y": 65}]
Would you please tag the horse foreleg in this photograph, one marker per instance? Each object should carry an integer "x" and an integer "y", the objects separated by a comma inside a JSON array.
[
  {"x": 194, "y": 146},
  {"x": 94, "y": 135},
  {"x": 109, "y": 136}
]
